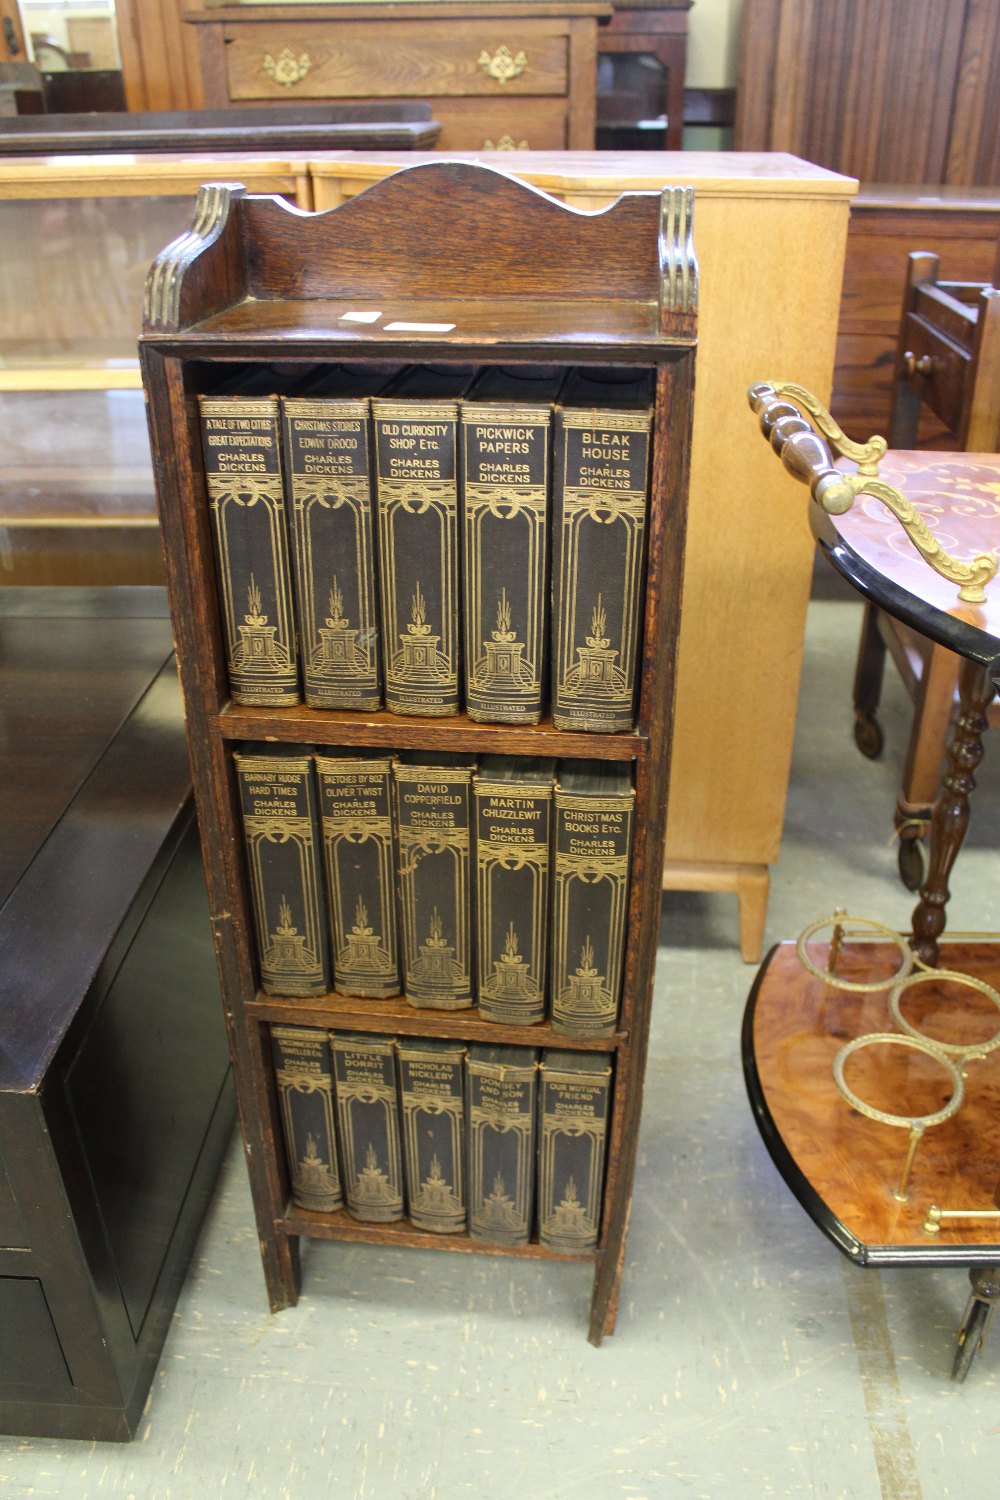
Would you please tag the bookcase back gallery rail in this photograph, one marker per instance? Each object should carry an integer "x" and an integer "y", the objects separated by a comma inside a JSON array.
[
  {"x": 455, "y": 276},
  {"x": 534, "y": 249}
]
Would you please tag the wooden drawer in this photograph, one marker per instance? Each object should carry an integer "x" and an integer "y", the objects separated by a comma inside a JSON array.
[
  {"x": 433, "y": 59},
  {"x": 502, "y": 124}
]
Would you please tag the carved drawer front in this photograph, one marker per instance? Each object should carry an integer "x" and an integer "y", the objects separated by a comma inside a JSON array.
[
  {"x": 502, "y": 125},
  {"x": 401, "y": 60}
]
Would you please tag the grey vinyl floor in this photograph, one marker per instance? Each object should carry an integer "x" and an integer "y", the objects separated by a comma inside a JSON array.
[{"x": 751, "y": 1359}]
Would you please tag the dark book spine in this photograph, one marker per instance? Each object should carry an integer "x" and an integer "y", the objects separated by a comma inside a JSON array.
[
  {"x": 242, "y": 455},
  {"x": 435, "y": 883},
  {"x": 600, "y": 505},
  {"x": 281, "y": 835},
  {"x": 304, "y": 1076},
  {"x": 505, "y": 506},
  {"x": 332, "y": 506},
  {"x": 512, "y": 870},
  {"x": 502, "y": 1097},
  {"x": 432, "y": 1095},
  {"x": 573, "y": 1109},
  {"x": 355, "y": 798},
  {"x": 368, "y": 1116},
  {"x": 416, "y": 447},
  {"x": 590, "y": 897}
]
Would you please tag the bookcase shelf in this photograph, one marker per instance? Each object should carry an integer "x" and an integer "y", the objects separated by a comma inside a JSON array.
[
  {"x": 518, "y": 278},
  {"x": 340, "y": 1226},
  {"x": 395, "y": 731},
  {"x": 397, "y": 1017}
]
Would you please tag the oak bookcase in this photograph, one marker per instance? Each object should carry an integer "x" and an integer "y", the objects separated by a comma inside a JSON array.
[{"x": 513, "y": 276}]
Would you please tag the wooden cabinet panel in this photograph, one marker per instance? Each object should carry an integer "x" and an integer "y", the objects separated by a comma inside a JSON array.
[
  {"x": 502, "y": 125},
  {"x": 400, "y": 60},
  {"x": 899, "y": 92}
]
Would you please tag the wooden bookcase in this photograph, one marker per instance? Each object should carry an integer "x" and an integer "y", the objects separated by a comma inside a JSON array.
[{"x": 513, "y": 276}]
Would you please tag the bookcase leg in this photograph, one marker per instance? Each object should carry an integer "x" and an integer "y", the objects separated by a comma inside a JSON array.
[
  {"x": 282, "y": 1270},
  {"x": 607, "y": 1284}
]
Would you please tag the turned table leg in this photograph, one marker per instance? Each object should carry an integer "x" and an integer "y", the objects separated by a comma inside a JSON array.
[{"x": 951, "y": 810}]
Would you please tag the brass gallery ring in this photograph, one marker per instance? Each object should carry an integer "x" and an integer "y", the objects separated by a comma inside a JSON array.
[
  {"x": 907, "y": 1122},
  {"x": 857, "y": 986},
  {"x": 968, "y": 1051}
]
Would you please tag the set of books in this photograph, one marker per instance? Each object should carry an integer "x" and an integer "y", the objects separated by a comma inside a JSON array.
[
  {"x": 502, "y": 884},
  {"x": 432, "y": 537},
  {"x": 493, "y": 1140}
]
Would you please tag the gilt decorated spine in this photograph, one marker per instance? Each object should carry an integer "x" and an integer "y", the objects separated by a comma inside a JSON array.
[
  {"x": 304, "y": 1075},
  {"x": 513, "y": 812},
  {"x": 574, "y": 1096},
  {"x": 355, "y": 799},
  {"x": 502, "y": 1095},
  {"x": 241, "y": 447},
  {"x": 506, "y": 487},
  {"x": 593, "y": 804},
  {"x": 432, "y": 798},
  {"x": 332, "y": 509},
  {"x": 416, "y": 452},
  {"x": 281, "y": 838},
  {"x": 600, "y": 505},
  {"x": 432, "y": 1096},
  {"x": 368, "y": 1116}
]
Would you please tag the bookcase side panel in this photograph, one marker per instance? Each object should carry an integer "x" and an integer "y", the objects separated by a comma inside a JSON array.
[
  {"x": 668, "y": 491},
  {"x": 188, "y": 554}
]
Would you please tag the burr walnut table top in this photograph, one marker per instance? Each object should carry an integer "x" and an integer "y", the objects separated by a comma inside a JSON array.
[{"x": 844, "y": 1167}]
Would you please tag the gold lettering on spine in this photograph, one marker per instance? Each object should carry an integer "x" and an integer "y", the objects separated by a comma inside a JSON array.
[
  {"x": 421, "y": 639},
  {"x": 569, "y": 1109},
  {"x": 434, "y": 852},
  {"x": 501, "y": 1102},
  {"x": 374, "y": 1181},
  {"x": 513, "y": 835},
  {"x": 315, "y": 1179},
  {"x": 243, "y": 481},
  {"x": 594, "y": 669},
  {"x": 584, "y": 998},
  {"x": 504, "y": 644},
  {"x": 356, "y": 821}
]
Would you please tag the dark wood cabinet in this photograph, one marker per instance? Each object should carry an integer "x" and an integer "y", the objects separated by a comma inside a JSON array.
[
  {"x": 642, "y": 52},
  {"x": 492, "y": 271},
  {"x": 115, "y": 1094}
]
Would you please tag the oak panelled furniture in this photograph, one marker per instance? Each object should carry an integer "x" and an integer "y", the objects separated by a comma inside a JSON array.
[
  {"x": 959, "y": 224},
  {"x": 947, "y": 358},
  {"x": 903, "y": 91},
  {"x": 116, "y": 1102},
  {"x": 725, "y": 816},
  {"x": 500, "y": 273},
  {"x": 850, "y": 1171},
  {"x": 500, "y": 74}
]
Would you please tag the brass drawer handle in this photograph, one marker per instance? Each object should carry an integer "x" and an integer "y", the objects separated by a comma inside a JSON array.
[
  {"x": 505, "y": 143},
  {"x": 287, "y": 68},
  {"x": 503, "y": 65}
]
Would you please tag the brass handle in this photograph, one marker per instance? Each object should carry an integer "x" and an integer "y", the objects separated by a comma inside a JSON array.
[
  {"x": 503, "y": 65},
  {"x": 807, "y": 457},
  {"x": 288, "y": 68},
  {"x": 505, "y": 143},
  {"x": 913, "y": 366}
]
